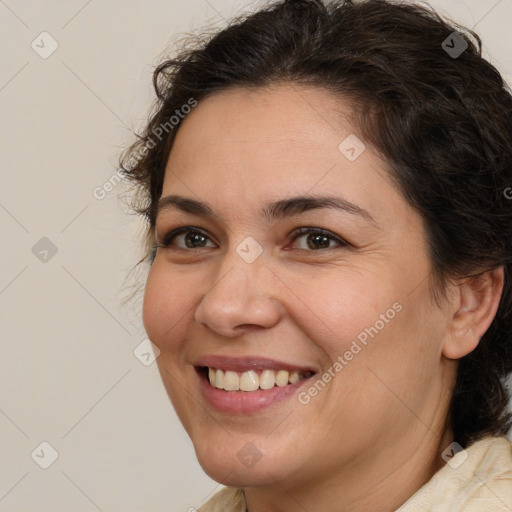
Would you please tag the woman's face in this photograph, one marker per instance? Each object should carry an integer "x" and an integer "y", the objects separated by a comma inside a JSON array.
[{"x": 246, "y": 294}]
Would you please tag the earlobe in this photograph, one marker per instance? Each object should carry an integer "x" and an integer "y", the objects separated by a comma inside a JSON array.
[{"x": 477, "y": 304}]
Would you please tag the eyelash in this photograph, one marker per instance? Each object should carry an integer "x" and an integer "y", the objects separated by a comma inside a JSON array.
[{"x": 296, "y": 234}]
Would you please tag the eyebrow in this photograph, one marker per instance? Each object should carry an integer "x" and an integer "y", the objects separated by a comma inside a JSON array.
[{"x": 272, "y": 211}]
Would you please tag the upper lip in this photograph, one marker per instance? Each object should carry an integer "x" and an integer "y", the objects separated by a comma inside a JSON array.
[{"x": 246, "y": 363}]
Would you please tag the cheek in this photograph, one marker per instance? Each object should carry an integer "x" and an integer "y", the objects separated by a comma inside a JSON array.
[
  {"x": 374, "y": 323},
  {"x": 376, "y": 343},
  {"x": 335, "y": 307},
  {"x": 165, "y": 307}
]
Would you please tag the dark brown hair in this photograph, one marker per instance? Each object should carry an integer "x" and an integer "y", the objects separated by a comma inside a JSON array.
[{"x": 442, "y": 121}]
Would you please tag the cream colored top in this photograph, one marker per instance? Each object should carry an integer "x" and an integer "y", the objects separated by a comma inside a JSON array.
[{"x": 482, "y": 482}]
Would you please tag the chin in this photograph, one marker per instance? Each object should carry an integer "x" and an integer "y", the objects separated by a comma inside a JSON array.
[
  {"x": 245, "y": 467},
  {"x": 232, "y": 474}
]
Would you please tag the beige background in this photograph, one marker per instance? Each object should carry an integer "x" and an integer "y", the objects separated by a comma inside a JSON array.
[{"x": 68, "y": 373}]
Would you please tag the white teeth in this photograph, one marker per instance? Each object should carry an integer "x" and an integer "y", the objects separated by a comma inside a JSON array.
[
  {"x": 219, "y": 379},
  {"x": 267, "y": 379},
  {"x": 294, "y": 377},
  {"x": 249, "y": 381},
  {"x": 231, "y": 381},
  {"x": 282, "y": 377},
  {"x": 253, "y": 380}
]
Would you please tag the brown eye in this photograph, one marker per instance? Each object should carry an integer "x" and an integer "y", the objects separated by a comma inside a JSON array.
[
  {"x": 318, "y": 239},
  {"x": 191, "y": 237}
]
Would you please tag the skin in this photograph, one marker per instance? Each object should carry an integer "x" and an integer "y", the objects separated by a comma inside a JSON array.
[{"x": 374, "y": 434}]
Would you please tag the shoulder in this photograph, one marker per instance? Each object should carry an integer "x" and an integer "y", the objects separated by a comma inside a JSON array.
[
  {"x": 475, "y": 479},
  {"x": 228, "y": 499}
]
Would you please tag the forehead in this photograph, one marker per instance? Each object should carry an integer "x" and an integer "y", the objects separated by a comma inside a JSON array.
[
  {"x": 274, "y": 128},
  {"x": 242, "y": 144},
  {"x": 277, "y": 113}
]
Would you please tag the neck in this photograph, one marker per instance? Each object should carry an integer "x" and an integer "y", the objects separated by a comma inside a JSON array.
[{"x": 373, "y": 483}]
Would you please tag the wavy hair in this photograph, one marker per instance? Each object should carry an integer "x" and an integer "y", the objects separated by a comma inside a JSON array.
[{"x": 443, "y": 123}]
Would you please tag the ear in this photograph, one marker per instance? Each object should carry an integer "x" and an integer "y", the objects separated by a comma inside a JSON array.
[{"x": 472, "y": 312}]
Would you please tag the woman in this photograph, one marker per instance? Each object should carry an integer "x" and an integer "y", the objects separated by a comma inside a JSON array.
[{"x": 330, "y": 241}]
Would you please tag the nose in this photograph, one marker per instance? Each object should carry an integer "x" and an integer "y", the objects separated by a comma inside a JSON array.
[{"x": 241, "y": 297}]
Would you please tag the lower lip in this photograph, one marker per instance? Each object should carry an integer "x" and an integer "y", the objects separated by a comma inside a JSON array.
[{"x": 246, "y": 402}]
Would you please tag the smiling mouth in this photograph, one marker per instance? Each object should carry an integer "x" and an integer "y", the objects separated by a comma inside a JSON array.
[{"x": 252, "y": 380}]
